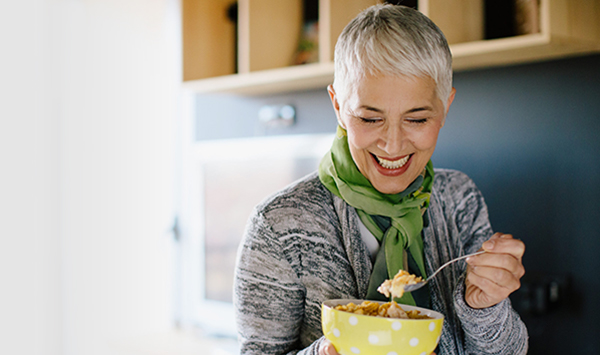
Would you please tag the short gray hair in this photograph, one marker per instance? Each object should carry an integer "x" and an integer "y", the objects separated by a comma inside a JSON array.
[{"x": 393, "y": 40}]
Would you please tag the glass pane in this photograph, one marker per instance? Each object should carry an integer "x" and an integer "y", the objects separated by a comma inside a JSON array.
[{"x": 232, "y": 189}]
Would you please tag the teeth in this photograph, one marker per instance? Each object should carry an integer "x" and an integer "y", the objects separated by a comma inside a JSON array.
[{"x": 388, "y": 164}]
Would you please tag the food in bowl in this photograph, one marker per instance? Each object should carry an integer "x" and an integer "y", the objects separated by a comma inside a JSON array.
[
  {"x": 352, "y": 333},
  {"x": 387, "y": 310},
  {"x": 395, "y": 286}
]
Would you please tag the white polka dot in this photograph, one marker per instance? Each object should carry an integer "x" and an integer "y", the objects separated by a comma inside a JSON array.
[
  {"x": 336, "y": 332},
  {"x": 432, "y": 326},
  {"x": 414, "y": 342},
  {"x": 396, "y": 325},
  {"x": 353, "y": 320},
  {"x": 392, "y": 353},
  {"x": 423, "y": 353},
  {"x": 373, "y": 339},
  {"x": 355, "y": 350}
]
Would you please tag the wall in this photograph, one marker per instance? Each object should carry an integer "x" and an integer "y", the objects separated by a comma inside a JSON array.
[
  {"x": 119, "y": 97},
  {"x": 528, "y": 136},
  {"x": 88, "y": 127},
  {"x": 30, "y": 305}
]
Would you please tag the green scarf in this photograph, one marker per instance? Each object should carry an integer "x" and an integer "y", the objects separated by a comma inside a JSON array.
[{"x": 339, "y": 173}]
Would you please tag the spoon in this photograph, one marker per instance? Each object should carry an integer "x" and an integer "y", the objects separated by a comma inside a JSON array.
[{"x": 418, "y": 285}]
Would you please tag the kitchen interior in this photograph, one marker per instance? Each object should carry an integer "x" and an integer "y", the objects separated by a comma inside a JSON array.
[{"x": 130, "y": 128}]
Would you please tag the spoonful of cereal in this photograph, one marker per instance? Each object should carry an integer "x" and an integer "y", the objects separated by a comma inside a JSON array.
[{"x": 405, "y": 282}]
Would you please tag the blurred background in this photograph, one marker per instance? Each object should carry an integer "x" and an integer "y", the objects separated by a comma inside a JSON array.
[{"x": 116, "y": 180}]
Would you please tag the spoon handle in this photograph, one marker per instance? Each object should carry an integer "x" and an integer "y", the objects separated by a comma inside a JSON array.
[{"x": 452, "y": 261}]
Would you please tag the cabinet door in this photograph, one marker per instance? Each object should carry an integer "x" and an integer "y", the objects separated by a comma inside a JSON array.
[
  {"x": 269, "y": 31},
  {"x": 334, "y": 15},
  {"x": 208, "y": 39},
  {"x": 460, "y": 20}
]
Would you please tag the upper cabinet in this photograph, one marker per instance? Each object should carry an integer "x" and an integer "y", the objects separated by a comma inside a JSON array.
[{"x": 252, "y": 47}]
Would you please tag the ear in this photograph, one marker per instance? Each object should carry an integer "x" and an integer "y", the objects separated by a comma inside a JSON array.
[
  {"x": 448, "y": 103},
  {"x": 450, "y": 99},
  {"x": 336, "y": 105}
]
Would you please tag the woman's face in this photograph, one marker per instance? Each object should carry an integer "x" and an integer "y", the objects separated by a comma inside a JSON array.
[{"x": 392, "y": 125}]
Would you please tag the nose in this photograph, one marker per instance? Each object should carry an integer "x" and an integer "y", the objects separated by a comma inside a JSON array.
[{"x": 391, "y": 140}]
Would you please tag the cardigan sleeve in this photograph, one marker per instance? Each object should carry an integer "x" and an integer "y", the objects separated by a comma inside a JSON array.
[
  {"x": 497, "y": 329},
  {"x": 493, "y": 330},
  {"x": 269, "y": 298}
]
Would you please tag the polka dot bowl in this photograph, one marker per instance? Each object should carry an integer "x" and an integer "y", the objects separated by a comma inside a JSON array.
[{"x": 359, "y": 334}]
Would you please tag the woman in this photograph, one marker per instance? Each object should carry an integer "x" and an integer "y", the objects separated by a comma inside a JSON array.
[{"x": 377, "y": 206}]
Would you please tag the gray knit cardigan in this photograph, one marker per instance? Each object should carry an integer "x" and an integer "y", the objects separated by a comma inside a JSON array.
[{"x": 303, "y": 246}]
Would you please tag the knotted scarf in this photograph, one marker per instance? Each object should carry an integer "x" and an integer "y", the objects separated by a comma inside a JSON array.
[{"x": 339, "y": 173}]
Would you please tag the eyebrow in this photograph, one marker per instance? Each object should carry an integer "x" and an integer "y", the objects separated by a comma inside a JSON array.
[
  {"x": 417, "y": 109},
  {"x": 413, "y": 110},
  {"x": 370, "y": 108}
]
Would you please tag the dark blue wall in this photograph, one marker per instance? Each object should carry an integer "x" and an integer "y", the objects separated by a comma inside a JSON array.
[{"x": 528, "y": 136}]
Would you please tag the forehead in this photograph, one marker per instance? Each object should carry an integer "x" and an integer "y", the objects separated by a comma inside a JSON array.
[{"x": 391, "y": 92}]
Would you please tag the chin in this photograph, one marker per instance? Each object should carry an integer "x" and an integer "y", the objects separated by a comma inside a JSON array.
[{"x": 389, "y": 189}]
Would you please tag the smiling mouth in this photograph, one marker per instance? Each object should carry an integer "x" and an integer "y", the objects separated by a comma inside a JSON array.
[{"x": 391, "y": 165}]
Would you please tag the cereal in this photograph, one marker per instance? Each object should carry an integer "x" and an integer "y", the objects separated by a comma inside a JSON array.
[
  {"x": 386, "y": 310},
  {"x": 395, "y": 287}
]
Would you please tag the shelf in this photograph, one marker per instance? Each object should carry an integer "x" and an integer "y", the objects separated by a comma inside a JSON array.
[
  {"x": 480, "y": 54},
  {"x": 566, "y": 28},
  {"x": 295, "y": 78},
  {"x": 516, "y": 50}
]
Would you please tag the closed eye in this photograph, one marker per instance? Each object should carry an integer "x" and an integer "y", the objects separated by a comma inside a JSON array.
[
  {"x": 369, "y": 120},
  {"x": 417, "y": 120}
]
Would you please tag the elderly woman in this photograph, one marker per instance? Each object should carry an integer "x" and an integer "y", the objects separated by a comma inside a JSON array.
[{"x": 377, "y": 205}]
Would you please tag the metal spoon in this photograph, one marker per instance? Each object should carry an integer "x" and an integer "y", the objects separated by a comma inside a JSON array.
[{"x": 414, "y": 287}]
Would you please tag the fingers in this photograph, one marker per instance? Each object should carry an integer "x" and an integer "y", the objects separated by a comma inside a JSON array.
[
  {"x": 494, "y": 275},
  {"x": 502, "y": 264},
  {"x": 504, "y": 252},
  {"x": 327, "y": 348},
  {"x": 494, "y": 281},
  {"x": 483, "y": 292},
  {"x": 505, "y": 243},
  {"x": 506, "y": 262}
]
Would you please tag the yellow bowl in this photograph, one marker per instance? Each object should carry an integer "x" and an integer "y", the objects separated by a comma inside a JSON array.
[{"x": 359, "y": 334}]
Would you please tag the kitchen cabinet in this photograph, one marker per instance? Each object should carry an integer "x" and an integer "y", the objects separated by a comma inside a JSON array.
[{"x": 254, "y": 53}]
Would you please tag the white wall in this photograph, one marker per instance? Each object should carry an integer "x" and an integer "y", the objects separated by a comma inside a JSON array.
[
  {"x": 87, "y": 135},
  {"x": 30, "y": 313}
]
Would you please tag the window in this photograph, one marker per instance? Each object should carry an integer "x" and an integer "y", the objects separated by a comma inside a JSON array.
[{"x": 223, "y": 182}]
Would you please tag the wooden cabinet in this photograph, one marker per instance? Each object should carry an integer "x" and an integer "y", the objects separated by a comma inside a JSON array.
[{"x": 255, "y": 54}]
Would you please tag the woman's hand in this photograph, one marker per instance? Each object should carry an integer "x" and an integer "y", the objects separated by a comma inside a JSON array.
[
  {"x": 327, "y": 348},
  {"x": 493, "y": 276}
]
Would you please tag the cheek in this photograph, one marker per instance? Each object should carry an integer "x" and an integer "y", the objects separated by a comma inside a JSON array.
[
  {"x": 360, "y": 138},
  {"x": 427, "y": 139}
]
